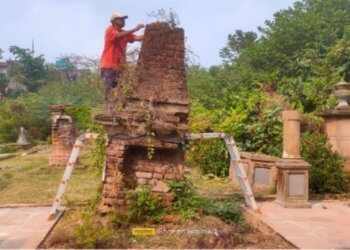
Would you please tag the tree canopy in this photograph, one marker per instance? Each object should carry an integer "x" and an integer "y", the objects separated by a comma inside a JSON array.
[{"x": 30, "y": 70}]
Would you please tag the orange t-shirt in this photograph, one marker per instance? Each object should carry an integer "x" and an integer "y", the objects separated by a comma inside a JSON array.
[{"x": 114, "y": 52}]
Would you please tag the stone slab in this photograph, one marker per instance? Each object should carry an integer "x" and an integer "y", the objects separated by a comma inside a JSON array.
[
  {"x": 24, "y": 227},
  {"x": 324, "y": 226}
]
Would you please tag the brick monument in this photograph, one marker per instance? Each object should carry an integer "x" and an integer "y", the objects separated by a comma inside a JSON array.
[
  {"x": 63, "y": 135},
  {"x": 145, "y": 132}
]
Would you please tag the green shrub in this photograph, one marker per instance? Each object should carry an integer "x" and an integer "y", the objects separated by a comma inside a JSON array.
[
  {"x": 83, "y": 116},
  {"x": 251, "y": 117},
  {"x": 326, "y": 173},
  {"x": 211, "y": 156},
  {"x": 144, "y": 206},
  {"x": 31, "y": 110},
  {"x": 186, "y": 202},
  {"x": 227, "y": 210},
  {"x": 91, "y": 233}
]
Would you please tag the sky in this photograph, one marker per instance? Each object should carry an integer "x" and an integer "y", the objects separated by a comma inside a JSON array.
[{"x": 63, "y": 27}]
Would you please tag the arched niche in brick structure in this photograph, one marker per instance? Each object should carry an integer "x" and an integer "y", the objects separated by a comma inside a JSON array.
[
  {"x": 149, "y": 120},
  {"x": 63, "y": 134}
]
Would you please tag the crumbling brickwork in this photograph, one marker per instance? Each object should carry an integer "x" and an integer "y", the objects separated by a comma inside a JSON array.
[
  {"x": 145, "y": 136},
  {"x": 63, "y": 134},
  {"x": 161, "y": 67}
]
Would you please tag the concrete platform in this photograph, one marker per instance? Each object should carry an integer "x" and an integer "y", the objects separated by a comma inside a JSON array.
[
  {"x": 24, "y": 227},
  {"x": 323, "y": 226}
]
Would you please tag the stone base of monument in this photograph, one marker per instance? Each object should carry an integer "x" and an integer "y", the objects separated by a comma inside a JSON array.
[
  {"x": 337, "y": 124},
  {"x": 293, "y": 183},
  {"x": 293, "y": 204}
]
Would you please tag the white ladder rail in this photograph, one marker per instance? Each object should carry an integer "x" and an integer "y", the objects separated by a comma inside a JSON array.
[
  {"x": 68, "y": 171},
  {"x": 237, "y": 165}
]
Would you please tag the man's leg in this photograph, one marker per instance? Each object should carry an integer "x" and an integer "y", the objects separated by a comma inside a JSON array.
[{"x": 109, "y": 78}]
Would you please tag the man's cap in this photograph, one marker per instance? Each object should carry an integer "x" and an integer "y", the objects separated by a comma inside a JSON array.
[{"x": 118, "y": 15}]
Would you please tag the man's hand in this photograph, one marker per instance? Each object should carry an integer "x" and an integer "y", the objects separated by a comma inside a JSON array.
[
  {"x": 138, "y": 27},
  {"x": 139, "y": 38},
  {"x": 127, "y": 32}
]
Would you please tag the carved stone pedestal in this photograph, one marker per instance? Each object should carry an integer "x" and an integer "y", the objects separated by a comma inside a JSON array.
[
  {"x": 337, "y": 128},
  {"x": 293, "y": 183}
]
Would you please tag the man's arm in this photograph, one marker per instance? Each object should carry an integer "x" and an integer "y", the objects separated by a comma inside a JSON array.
[
  {"x": 138, "y": 38},
  {"x": 127, "y": 32}
]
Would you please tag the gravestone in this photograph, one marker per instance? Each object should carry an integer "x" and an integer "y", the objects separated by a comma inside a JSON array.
[{"x": 22, "y": 140}]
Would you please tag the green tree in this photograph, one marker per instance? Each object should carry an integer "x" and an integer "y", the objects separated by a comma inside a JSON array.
[
  {"x": 301, "y": 53},
  {"x": 3, "y": 84},
  {"x": 304, "y": 50},
  {"x": 3, "y": 80},
  {"x": 30, "y": 70},
  {"x": 237, "y": 43}
]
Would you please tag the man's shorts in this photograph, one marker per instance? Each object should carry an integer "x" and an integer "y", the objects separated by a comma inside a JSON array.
[{"x": 109, "y": 77}]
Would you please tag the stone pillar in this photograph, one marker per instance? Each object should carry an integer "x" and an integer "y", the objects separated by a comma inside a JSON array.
[
  {"x": 63, "y": 134},
  {"x": 292, "y": 171},
  {"x": 291, "y": 134}
]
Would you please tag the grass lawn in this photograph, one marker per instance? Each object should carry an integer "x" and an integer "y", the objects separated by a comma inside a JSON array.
[{"x": 29, "y": 180}]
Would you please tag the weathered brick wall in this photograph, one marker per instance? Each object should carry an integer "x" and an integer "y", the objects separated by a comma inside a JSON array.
[
  {"x": 161, "y": 65},
  {"x": 63, "y": 134},
  {"x": 128, "y": 168}
]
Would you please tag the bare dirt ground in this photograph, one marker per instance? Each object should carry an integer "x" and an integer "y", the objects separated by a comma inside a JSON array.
[{"x": 204, "y": 232}]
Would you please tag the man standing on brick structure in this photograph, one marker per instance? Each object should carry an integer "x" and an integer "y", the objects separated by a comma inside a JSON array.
[{"x": 114, "y": 52}]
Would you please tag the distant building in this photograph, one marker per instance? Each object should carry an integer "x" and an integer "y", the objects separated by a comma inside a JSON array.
[
  {"x": 69, "y": 71},
  {"x": 5, "y": 67}
]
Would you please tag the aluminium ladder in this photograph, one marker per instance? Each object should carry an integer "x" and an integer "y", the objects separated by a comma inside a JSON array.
[
  {"x": 230, "y": 144},
  {"x": 237, "y": 164},
  {"x": 68, "y": 171}
]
